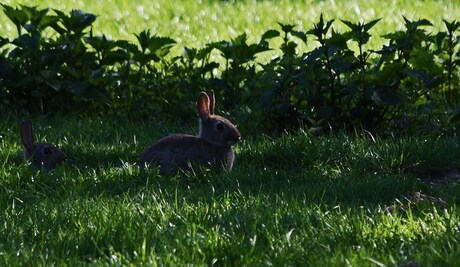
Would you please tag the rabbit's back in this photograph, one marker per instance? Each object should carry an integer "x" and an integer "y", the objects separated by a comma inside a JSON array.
[{"x": 180, "y": 150}]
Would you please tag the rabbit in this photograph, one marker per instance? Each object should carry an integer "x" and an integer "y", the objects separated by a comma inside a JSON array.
[
  {"x": 212, "y": 146},
  {"x": 40, "y": 154}
]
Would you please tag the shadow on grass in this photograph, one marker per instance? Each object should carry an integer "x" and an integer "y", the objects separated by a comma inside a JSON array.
[{"x": 316, "y": 187}]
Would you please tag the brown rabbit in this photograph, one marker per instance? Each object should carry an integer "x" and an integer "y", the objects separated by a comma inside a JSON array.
[
  {"x": 213, "y": 145},
  {"x": 40, "y": 154}
]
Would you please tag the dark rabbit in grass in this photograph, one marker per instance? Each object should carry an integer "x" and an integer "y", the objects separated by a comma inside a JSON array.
[
  {"x": 213, "y": 145},
  {"x": 40, "y": 154}
]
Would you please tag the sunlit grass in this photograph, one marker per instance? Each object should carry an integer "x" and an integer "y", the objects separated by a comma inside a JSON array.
[{"x": 194, "y": 23}]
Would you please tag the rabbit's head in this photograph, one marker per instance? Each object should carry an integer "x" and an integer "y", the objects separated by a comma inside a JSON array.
[
  {"x": 215, "y": 129},
  {"x": 41, "y": 154}
]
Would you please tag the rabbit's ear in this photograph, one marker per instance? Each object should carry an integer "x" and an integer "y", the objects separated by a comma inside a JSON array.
[
  {"x": 212, "y": 102},
  {"x": 203, "y": 106},
  {"x": 27, "y": 135}
]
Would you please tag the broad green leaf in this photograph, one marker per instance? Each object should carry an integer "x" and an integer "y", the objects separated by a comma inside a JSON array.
[
  {"x": 351, "y": 25},
  {"x": 29, "y": 42},
  {"x": 287, "y": 28},
  {"x": 451, "y": 26},
  {"x": 17, "y": 16},
  {"x": 270, "y": 34},
  {"x": 371, "y": 24},
  {"x": 301, "y": 35},
  {"x": 77, "y": 21},
  {"x": 160, "y": 43}
]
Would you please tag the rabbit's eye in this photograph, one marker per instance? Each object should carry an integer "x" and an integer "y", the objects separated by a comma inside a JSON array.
[{"x": 219, "y": 126}]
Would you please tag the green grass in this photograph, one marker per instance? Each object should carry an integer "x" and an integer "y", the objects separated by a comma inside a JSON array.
[
  {"x": 294, "y": 200},
  {"x": 194, "y": 23}
]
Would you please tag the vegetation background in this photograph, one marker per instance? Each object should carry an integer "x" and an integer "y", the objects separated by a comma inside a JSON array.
[
  {"x": 328, "y": 188},
  {"x": 282, "y": 66}
]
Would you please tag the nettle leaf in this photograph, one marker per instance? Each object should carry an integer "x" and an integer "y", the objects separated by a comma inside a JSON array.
[
  {"x": 127, "y": 45},
  {"x": 439, "y": 40},
  {"x": 359, "y": 32},
  {"x": 270, "y": 34},
  {"x": 38, "y": 18},
  {"x": 238, "y": 49},
  {"x": 451, "y": 26},
  {"x": 371, "y": 24},
  {"x": 301, "y": 35},
  {"x": 394, "y": 36},
  {"x": 17, "y": 16},
  {"x": 76, "y": 22},
  {"x": 211, "y": 66},
  {"x": 361, "y": 27},
  {"x": 412, "y": 25},
  {"x": 189, "y": 54},
  {"x": 338, "y": 40},
  {"x": 100, "y": 43},
  {"x": 221, "y": 45},
  {"x": 57, "y": 27},
  {"x": 108, "y": 49},
  {"x": 289, "y": 48},
  {"x": 320, "y": 29},
  {"x": 240, "y": 39},
  {"x": 259, "y": 48},
  {"x": 249, "y": 54},
  {"x": 157, "y": 45},
  {"x": 48, "y": 21},
  {"x": 80, "y": 20},
  {"x": 143, "y": 38},
  {"x": 314, "y": 55},
  {"x": 351, "y": 25},
  {"x": 116, "y": 56},
  {"x": 204, "y": 52},
  {"x": 163, "y": 44},
  {"x": 422, "y": 59},
  {"x": 28, "y": 41},
  {"x": 287, "y": 28},
  {"x": 327, "y": 26}
]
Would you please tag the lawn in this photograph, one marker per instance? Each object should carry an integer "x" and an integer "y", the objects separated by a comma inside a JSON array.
[
  {"x": 294, "y": 200},
  {"x": 194, "y": 23},
  {"x": 291, "y": 200}
]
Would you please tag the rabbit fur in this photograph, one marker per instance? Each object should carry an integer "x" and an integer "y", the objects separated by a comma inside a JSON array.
[
  {"x": 213, "y": 145},
  {"x": 40, "y": 154}
]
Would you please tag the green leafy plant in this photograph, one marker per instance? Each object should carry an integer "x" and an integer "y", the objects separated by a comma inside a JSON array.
[{"x": 56, "y": 64}]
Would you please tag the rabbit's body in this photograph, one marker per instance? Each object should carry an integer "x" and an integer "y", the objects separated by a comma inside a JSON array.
[
  {"x": 180, "y": 150},
  {"x": 213, "y": 145},
  {"x": 40, "y": 154}
]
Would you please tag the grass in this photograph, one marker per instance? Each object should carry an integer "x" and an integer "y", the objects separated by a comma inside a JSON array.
[
  {"x": 194, "y": 23},
  {"x": 293, "y": 200}
]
